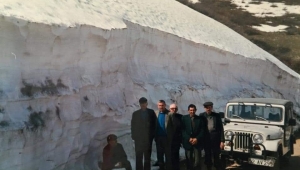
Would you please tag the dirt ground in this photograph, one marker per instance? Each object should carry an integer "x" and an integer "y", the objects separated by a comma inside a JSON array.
[{"x": 295, "y": 160}]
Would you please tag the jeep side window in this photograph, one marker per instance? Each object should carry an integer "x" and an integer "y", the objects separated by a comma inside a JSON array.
[{"x": 232, "y": 110}]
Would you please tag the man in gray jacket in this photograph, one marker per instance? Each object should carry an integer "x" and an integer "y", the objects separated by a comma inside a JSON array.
[{"x": 214, "y": 136}]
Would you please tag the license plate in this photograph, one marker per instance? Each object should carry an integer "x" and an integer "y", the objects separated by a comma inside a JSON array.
[{"x": 268, "y": 162}]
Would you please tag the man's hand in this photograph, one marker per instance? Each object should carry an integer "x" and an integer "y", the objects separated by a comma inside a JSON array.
[
  {"x": 222, "y": 145},
  {"x": 191, "y": 139},
  {"x": 118, "y": 165},
  {"x": 194, "y": 141}
]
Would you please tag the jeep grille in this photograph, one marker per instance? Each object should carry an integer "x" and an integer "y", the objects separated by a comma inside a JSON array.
[{"x": 242, "y": 141}]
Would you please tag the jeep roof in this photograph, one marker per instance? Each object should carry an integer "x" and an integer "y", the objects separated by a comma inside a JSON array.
[{"x": 262, "y": 101}]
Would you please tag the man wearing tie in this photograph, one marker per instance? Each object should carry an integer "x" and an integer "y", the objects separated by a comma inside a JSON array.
[
  {"x": 193, "y": 129},
  {"x": 143, "y": 124}
]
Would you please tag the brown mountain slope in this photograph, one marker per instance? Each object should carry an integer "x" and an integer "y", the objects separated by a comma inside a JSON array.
[{"x": 283, "y": 45}]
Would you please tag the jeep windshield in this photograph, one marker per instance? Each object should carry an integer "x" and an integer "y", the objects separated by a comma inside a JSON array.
[{"x": 257, "y": 112}]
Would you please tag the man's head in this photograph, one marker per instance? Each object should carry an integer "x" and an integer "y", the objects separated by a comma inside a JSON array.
[
  {"x": 161, "y": 105},
  {"x": 143, "y": 103},
  {"x": 208, "y": 106},
  {"x": 192, "y": 110},
  {"x": 112, "y": 140},
  {"x": 173, "y": 108}
]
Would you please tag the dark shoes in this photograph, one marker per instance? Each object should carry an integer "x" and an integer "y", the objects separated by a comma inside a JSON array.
[
  {"x": 155, "y": 164},
  {"x": 208, "y": 168}
]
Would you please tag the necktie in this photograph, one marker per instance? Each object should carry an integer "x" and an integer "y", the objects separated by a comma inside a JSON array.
[{"x": 193, "y": 123}]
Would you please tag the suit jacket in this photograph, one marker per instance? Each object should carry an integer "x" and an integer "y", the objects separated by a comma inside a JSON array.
[
  {"x": 143, "y": 128},
  {"x": 188, "y": 132},
  {"x": 173, "y": 128},
  {"x": 217, "y": 124}
]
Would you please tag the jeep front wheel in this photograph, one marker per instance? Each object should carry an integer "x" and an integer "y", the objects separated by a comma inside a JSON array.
[
  {"x": 278, "y": 161},
  {"x": 276, "y": 165}
]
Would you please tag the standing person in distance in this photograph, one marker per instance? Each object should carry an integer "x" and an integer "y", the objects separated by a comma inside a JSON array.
[
  {"x": 174, "y": 136},
  {"x": 143, "y": 124},
  {"x": 193, "y": 129},
  {"x": 161, "y": 140},
  {"x": 214, "y": 140}
]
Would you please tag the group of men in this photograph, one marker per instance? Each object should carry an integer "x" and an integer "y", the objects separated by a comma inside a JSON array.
[{"x": 170, "y": 130}]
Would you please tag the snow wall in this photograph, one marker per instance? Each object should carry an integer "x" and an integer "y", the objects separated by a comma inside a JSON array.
[{"x": 64, "y": 89}]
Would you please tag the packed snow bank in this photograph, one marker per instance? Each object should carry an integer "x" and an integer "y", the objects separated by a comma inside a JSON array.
[
  {"x": 112, "y": 14},
  {"x": 65, "y": 87}
]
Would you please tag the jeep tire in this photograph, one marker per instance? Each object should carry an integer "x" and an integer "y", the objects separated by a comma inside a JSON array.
[
  {"x": 278, "y": 162},
  {"x": 276, "y": 165}
]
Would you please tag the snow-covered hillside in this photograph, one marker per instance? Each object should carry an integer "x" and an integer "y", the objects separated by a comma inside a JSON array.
[{"x": 72, "y": 71}]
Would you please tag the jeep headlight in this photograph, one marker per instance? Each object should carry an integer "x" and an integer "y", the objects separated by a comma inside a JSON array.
[
  {"x": 228, "y": 135},
  {"x": 258, "y": 138}
]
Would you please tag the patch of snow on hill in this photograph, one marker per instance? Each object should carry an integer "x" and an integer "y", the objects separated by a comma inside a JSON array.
[
  {"x": 269, "y": 28},
  {"x": 194, "y": 1},
  {"x": 266, "y": 9}
]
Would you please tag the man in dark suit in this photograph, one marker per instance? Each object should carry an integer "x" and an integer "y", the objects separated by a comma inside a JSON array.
[
  {"x": 161, "y": 136},
  {"x": 174, "y": 136},
  {"x": 214, "y": 136},
  {"x": 143, "y": 124},
  {"x": 193, "y": 129},
  {"x": 114, "y": 155}
]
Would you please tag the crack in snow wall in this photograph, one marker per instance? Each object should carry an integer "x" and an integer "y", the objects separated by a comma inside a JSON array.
[{"x": 85, "y": 82}]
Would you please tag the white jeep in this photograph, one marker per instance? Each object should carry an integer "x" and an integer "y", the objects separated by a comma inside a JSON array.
[{"x": 258, "y": 131}]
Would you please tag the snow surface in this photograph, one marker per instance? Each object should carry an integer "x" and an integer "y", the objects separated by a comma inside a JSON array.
[
  {"x": 83, "y": 65},
  {"x": 111, "y": 14},
  {"x": 269, "y": 28},
  {"x": 267, "y": 9}
]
